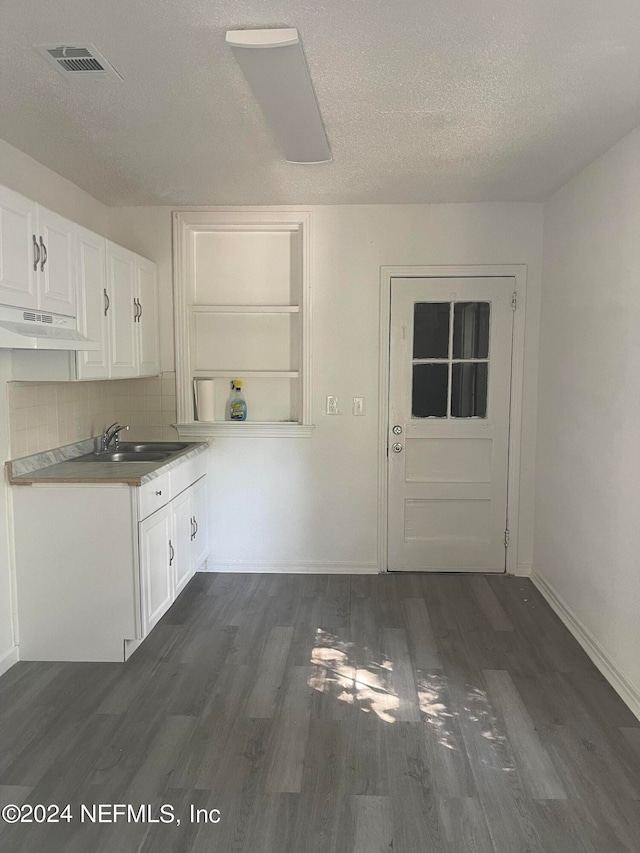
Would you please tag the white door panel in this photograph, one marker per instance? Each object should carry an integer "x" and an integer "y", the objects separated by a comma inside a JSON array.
[
  {"x": 157, "y": 555},
  {"x": 17, "y": 250},
  {"x": 183, "y": 532},
  {"x": 147, "y": 318},
  {"x": 122, "y": 310},
  {"x": 200, "y": 509},
  {"x": 93, "y": 304},
  {"x": 450, "y": 374},
  {"x": 57, "y": 276}
]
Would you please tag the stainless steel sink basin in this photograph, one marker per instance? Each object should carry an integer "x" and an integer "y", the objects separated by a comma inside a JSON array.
[
  {"x": 126, "y": 456},
  {"x": 144, "y": 446}
]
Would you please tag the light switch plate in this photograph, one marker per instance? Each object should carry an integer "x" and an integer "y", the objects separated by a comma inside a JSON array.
[
  {"x": 332, "y": 405},
  {"x": 358, "y": 406}
]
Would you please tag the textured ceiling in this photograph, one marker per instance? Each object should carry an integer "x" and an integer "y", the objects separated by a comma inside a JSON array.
[{"x": 423, "y": 100}]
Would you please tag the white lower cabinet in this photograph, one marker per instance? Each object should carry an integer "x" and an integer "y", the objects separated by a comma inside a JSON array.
[
  {"x": 172, "y": 547},
  {"x": 181, "y": 533},
  {"x": 98, "y": 564},
  {"x": 156, "y": 558}
]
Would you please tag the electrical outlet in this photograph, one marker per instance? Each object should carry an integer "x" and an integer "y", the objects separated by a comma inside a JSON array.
[
  {"x": 358, "y": 406},
  {"x": 332, "y": 405}
]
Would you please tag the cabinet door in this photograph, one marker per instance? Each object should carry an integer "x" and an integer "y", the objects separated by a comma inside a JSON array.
[
  {"x": 199, "y": 509},
  {"x": 147, "y": 318},
  {"x": 182, "y": 533},
  {"x": 17, "y": 251},
  {"x": 157, "y": 554},
  {"x": 122, "y": 310},
  {"x": 57, "y": 269},
  {"x": 93, "y": 304}
]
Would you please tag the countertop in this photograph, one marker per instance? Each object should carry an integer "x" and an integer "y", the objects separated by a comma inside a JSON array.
[{"x": 61, "y": 465}]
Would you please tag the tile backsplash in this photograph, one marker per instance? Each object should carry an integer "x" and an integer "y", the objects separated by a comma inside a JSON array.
[{"x": 43, "y": 415}]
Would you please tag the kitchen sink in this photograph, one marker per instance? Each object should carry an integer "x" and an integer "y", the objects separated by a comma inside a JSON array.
[
  {"x": 144, "y": 446},
  {"x": 133, "y": 455},
  {"x": 127, "y": 456}
]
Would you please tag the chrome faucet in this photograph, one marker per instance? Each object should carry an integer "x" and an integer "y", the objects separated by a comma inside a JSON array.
[{"x": 111, "y": 436}]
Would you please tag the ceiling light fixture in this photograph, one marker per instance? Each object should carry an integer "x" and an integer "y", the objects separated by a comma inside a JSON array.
[{"x": 274, "y": 65}]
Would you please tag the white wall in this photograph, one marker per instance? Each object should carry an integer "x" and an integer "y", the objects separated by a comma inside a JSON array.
[
  {"x": 8, "y": 650},
  {"x": 35, "y": 181},
  {"x": 312, "y": 503},
  {"x": 587, "y": 535}
]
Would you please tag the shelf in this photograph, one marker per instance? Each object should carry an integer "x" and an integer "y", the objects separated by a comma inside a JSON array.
[
  {"x": 245, "y": 309},
  {"x": 244, "y": 429},
  {"x": 246, "y": 374}
]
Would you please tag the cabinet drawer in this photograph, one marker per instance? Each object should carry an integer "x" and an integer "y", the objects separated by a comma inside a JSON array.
[
  {"x": 154, "y": 494},
  {"x": 187, "y": 473}
]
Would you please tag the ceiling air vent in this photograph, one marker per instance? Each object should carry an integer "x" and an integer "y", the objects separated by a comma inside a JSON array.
[{"x": 78, "y": 61}]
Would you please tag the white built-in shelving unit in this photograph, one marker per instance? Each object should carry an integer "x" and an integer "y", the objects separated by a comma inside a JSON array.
[{"x": 242, "y": 312}]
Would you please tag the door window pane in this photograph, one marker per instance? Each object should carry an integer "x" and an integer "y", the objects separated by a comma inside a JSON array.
[
  {"x": 471, "y": 330},
  {"x": 469, "y": 390},
  {"x": 429, "y": 391},
  {"x": 431, "y": 329}
]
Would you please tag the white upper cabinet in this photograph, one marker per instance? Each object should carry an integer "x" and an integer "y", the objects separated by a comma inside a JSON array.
[
  {"x": 123, "y": 312},
  {"x": 121, "y": 280},
  {"x": 146, "y": 318},
  {"x": 37, "y": 256},
  {"x": 18, "y": 253},
  {"x": 48, "y": 263},
  {"x": 56, "y": 274},
  {"x": 93, "y": 304}
]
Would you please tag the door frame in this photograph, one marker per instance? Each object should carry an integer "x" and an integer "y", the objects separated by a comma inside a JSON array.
[{"x": 519, "y": 273}]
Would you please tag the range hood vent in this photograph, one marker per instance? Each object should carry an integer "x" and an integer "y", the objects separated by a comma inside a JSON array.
[
  {"x": 78, "y": 62},
  {"x": 31, "y": 317},
  {"x": 24, "y": 329}
]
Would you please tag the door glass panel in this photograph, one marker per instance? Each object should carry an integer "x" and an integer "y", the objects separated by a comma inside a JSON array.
[
  {"x": 469, "y": 390},
  {"x": 471, "y": 330},
  {"x": 431, "y": 329},
  {"x": 429, "y": 391}
]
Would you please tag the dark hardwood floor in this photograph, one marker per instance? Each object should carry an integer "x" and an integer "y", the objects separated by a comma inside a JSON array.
[{"x": 322, "y": 713}]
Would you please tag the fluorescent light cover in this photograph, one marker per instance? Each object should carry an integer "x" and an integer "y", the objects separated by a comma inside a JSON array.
[{"x": 274, "y": 65}]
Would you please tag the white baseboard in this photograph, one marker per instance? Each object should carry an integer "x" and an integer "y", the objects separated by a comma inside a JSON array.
[
  {"x": 627, "y": 691},
  {"x": 303, "y": 568},
  {"x": 523, "y": 570},
  {"x": 8, "y": 659}
]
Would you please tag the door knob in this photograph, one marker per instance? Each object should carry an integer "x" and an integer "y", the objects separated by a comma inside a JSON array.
[
  {"x": 397, "y": 430},
  {"x": 396, "y": 447}
]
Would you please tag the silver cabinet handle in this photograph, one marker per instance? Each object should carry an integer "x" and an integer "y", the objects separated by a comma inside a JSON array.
[
  {"x": 44, "y": 255},
  {"x": 36, "y": 254},
  {"x": 172, "y": 553},
  {"x": 396, "y": 447},
  {"x": 135, "y": 310},
  {"x": 107, "y": 303},
  {"x": 193, "y": 529},
  {"x": 159, "y": 492},
  {"x": 196, "y": 524}
]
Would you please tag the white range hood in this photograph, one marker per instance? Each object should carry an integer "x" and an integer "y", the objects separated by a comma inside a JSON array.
[{"x": 22, "y": 328}]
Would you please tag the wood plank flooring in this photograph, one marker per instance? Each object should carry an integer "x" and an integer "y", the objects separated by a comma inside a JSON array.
[{"x": 330, "y": 714}]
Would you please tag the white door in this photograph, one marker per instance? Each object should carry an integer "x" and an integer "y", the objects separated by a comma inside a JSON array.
[
  {"x": 449, "y": 394},
  {"x": 19, "y": 250},
  {"x": 146, "y": 318},
  {"x": 182, "y": 537},
  {"x": 57, "y": 270},
  {"x": 93, "y": 304},
  {"x": 122, "y": 311},
  {"x": 201, "y": 527},
  {"x": 157, "y": 555}
]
